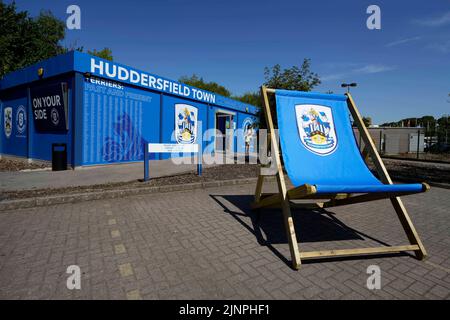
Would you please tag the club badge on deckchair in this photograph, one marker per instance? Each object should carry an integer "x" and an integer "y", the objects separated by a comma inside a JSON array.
[
  {"x": 316, "y": 128},
  {"x": 185, "y": 123}
]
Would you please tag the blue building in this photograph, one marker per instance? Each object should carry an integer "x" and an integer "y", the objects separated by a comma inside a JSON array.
[{"x": 105, "y": 111}]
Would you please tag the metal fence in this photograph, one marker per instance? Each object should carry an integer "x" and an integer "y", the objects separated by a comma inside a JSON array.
[{"x": 410, "y": 143}]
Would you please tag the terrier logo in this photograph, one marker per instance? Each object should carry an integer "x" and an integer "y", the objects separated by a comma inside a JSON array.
[
  {"x": 21, "y": 119},
  {"x": 54, "y": 115},
  {"x": 7, "y": 121},
  {"x": 316, "y": 128},
  {"x": 248, "y": 127},
  {"x": 185, "y": 123}
]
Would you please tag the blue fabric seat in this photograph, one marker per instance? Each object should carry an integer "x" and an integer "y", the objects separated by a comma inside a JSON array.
[
  {"x": 382, "y": 188},
  {"x": 319, "y": 147}
]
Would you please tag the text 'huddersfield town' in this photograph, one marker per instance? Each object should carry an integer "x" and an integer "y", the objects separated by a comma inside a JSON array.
[{"x": 111, "y": 70}]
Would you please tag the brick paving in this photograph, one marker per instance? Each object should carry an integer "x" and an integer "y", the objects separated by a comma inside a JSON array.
[{"x": 207, "y": 244}]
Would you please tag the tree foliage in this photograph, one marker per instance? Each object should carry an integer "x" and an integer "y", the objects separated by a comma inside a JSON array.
[
  {"x": 198, "y": 82},
  {"x": 299, "y": 78},
  {"x": 424, "y": 121},
  {"x": 253, "y": 98},
  {"x": 25, "y": 40},
  {"x": 367, "y": 121},
  {"x": 105, "y": 53}
]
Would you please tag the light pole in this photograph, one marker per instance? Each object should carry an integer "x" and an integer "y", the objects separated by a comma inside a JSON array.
[{"x": 348, "y": 85}]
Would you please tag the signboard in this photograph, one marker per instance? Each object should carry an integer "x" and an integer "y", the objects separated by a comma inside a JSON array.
[
  {"x": 169, "y": 148},
  {"x": 49, "y": 106},
  {"x": 121, "y": 73},
  {"x": 172, "y": 148}
]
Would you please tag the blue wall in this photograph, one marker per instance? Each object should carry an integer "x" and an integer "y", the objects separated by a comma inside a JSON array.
[
  {"x": 117, "y": 122},
  {"x": 109, "y": 118},
  {"x": 14, "y": 138},
  {"x": 35, "y": 145}
]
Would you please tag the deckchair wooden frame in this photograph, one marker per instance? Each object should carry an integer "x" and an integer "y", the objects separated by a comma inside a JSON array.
[{"x": 284, "y": 196}]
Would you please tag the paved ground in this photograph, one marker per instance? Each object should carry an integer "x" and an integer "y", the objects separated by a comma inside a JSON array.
[
  {"x": 207, "y": 244},
  {"x": 84, "y": 176},
  {"x": 88, "y": 175}
]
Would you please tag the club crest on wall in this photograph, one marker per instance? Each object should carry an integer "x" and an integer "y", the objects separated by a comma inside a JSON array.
[
  {"x": 7, "y": 121},
  {"x": 316, "y": 128},
  {"x": 185, "y": 123},
  {"x": 21, "y": 119}
]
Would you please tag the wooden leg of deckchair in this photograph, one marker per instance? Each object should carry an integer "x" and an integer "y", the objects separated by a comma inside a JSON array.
[
  {"x": 385, "y": 178},
  {"x": 275, "y": 199},
  {"x": 259, "y": 185},
  {"x": 293, "y": 245},
  {"x": 287, "y": 217},
  {"x": 409, "y": 228},
  {"x": 290, "y": 230}
]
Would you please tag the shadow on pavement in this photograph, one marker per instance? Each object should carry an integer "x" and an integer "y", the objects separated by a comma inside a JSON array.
[{"x": 316, "y": 225}]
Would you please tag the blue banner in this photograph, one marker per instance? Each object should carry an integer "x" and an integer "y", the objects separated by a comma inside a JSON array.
[{"x": 49, "y": 107}]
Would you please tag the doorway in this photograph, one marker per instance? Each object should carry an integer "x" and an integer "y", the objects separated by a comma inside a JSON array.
[{"x": 225, "y": 127}]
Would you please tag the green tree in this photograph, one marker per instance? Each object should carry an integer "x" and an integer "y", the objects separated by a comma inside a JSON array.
[
  {"x": 367, "y": 121},
  {"x": 426, "y": 121},
  {"x": 253, "y": 98},
  {"x": 389, "y": 124},
  {"x": 105, "y": 53},
  {"x": 25, "y": 40},
  {"x": 294, "y": 78},
  {"x": 198, "y": 82},
  {"x": 443, "y": 129}
]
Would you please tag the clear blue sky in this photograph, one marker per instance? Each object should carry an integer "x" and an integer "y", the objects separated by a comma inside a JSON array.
[{"x": 402, "y": 70}]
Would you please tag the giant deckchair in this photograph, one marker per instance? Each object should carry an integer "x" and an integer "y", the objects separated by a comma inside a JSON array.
[{"x": 323, "y": 162}]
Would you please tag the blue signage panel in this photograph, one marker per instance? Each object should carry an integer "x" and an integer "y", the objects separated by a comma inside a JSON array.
[
  {"x": 49, "y": 105},
  {"x": 40, "y": 141},
  {"x": 117, "y": 121},
  {"x": 121, "y": 73}
]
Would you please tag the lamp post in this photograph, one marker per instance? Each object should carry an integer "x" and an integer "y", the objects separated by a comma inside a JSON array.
[{"x": 348, "y": 85}]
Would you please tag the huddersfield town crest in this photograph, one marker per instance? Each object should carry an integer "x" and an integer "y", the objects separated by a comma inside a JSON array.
[
  {"x": 316, "y": 128},
  {"x": 185, "y": 123},
  {"x": 7, "y": 121}
]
